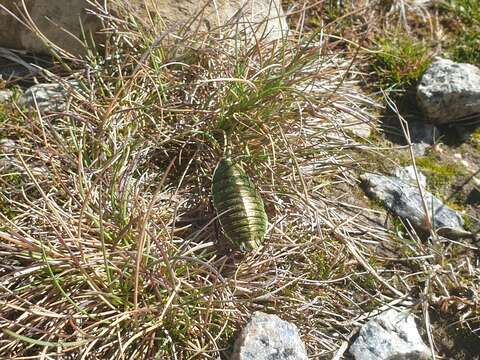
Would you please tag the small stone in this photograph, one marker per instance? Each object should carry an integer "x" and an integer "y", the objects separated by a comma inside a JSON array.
[
  {"x": 420, "y": 149},
  {"x": 7, "y": 145},
  {"x": 465, "y": 163},
  {"x": 268, "y": 337},
  {"x": 407, "y": 174},
  {"x": 48, "y": 97},
  {"x": 360, "y": 129},
  {"x": 7, "y": 149},
  {"x": 5, "y": 95},
  {"x": 405, "y": 201},
  {"x": 391, "y": 335},
  {"x": 448, "y": 91},
  {"x": 439, "y": 148}
]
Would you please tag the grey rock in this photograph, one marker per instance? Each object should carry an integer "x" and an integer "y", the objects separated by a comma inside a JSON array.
[
  {"x": 267, "y": 337},
  {"x": 407, "y": 174},
  {"x": 449, "y": 91},
  {"x": 405, "y": 201},
  {"x": 48, "y": 97},
  {"x": 5, "y": 95},
  {"x": 392, "y": 335}
]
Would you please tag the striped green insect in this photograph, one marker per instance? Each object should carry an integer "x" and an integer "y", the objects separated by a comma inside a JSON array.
[{"x": 239, "y": 206}]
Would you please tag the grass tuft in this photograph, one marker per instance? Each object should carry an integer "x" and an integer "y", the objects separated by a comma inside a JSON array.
[
  {"x": 465, "y": 45},
  {"x": 400, "y": 62},
  {"x": 108, "y": 238}
]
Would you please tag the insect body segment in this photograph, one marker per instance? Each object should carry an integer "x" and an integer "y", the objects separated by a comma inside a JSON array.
[{"x": 239, "y": 206}]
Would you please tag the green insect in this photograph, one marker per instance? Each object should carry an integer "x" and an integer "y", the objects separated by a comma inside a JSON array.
[{"x": 239, "y": 206}]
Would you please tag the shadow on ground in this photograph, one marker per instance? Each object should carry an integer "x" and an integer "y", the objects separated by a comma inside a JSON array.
[{"x": 451, "y": 135}]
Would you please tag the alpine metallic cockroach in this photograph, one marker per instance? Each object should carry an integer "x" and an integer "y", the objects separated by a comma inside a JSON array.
[{"x": 239, "y": 206}]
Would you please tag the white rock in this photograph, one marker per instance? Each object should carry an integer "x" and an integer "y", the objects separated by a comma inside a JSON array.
[
  {"x": 5, "y": 95},
  {"x": 407, "y": 174},
  {"x": 449, "y": 91},
  {"x": 391, "y": 335},
  {"x": 358, "y": 127},
  {"x": 64, "y": 22},
  {"x": 268, "y": 337},
  {"x": 476, "y": 181},
  {"x": 8, "y": 145}
]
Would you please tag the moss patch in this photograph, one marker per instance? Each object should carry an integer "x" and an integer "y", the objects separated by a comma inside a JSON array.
[{"x": 440, "y": 174}]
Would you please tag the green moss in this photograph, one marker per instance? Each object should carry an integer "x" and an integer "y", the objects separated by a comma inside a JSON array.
[
  {"x": 399, "y": 226},
  {"x": 400, "y": 61},
  {"x": 13, "y": 179},
  {"x": 375, "y": 204},
  {"x": 476, "y": 139},
  {"x": 476, "y": 134},
  {"x": 375, "y": 137},
  {"x": 468, "y": 221},
  {"x": 366, "y": 281},
  {"x": 440, "y": 175},
  {"x": 9, "y": 118},
  {"x": 322, "y": 270},
  {"x": 3, "y": 114}
]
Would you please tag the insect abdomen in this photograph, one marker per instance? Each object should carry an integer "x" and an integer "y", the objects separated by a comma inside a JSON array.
[{"x": 239, "y": 206}]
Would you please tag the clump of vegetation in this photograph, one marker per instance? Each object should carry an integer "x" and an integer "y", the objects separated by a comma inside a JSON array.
[
  {"x": 112, "y": 236},
  {"x": 311, "y": 16},
  {"x": 465, "y": 45},
  {"x": 400, "y": 61}
]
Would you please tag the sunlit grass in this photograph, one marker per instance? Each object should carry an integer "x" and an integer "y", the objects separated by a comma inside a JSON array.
[
  {"x": 109, "y": 243},
  {"x": 109, "y": 220},
  {"x": 400, "y": 61}
]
